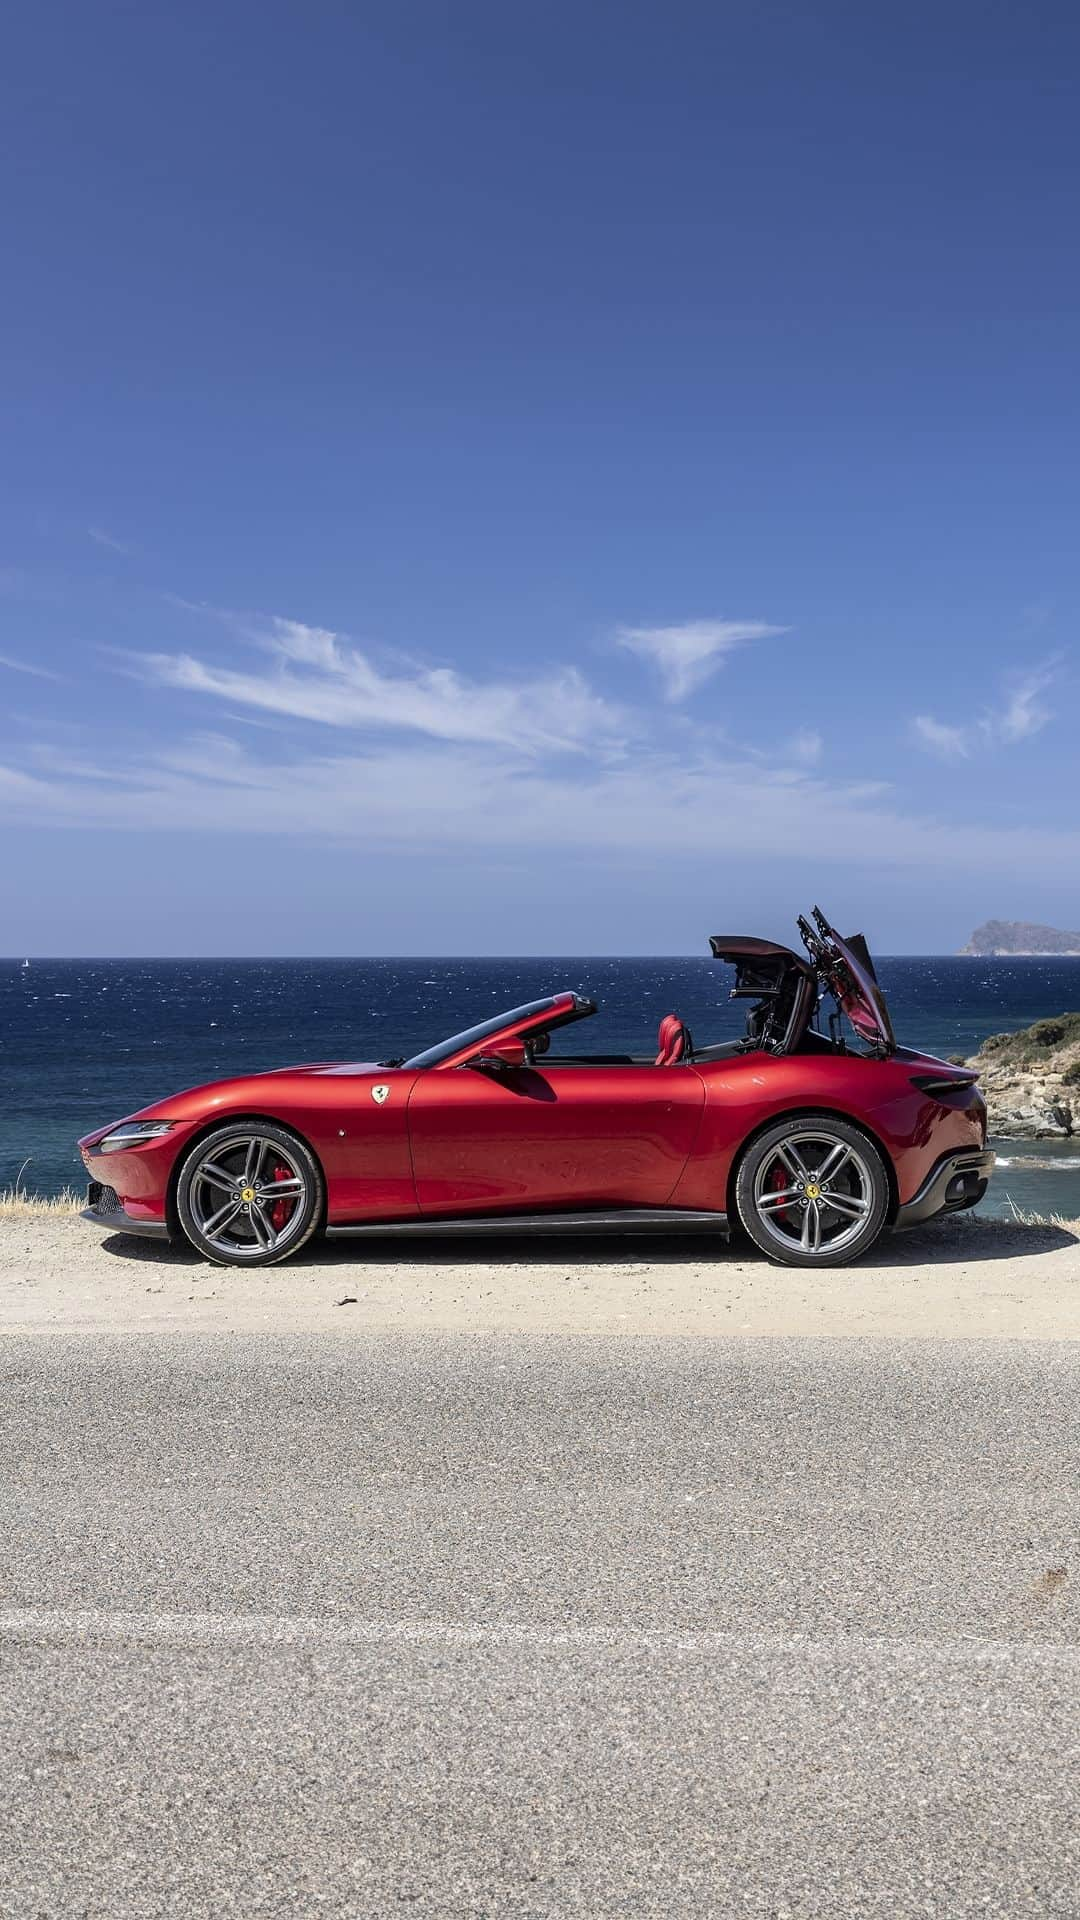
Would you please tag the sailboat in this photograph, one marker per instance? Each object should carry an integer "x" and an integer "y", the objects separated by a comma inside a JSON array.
[{"x": 26, "y": 963}]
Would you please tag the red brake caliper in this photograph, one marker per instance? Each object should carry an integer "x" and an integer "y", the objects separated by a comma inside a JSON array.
[
  {"x": 781, "y": 1179},
  {"x": 281, "y": 1209}
]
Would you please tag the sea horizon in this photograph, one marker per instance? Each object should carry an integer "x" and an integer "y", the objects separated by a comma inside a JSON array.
[{"x": 164, "y": 959}]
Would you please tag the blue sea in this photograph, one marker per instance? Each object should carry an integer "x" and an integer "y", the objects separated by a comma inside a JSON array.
[{"x": 83, "y": 1042}]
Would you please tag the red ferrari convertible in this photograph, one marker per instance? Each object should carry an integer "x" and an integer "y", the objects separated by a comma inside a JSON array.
[{"x": 812, "y": 1136}]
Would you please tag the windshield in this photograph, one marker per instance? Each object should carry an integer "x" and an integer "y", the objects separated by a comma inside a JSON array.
[{"x": 459, "y": 1041}]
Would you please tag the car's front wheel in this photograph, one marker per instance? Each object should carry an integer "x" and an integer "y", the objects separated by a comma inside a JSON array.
[
  {"x": 813, "y": 1191},
  {"x": 249, "y": 1194}
]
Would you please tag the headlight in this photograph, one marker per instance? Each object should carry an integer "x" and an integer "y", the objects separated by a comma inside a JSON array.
[{"x": 133, "y": 1133}]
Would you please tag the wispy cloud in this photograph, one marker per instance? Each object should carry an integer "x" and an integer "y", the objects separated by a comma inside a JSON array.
[
  {"x": 311, "y": 673},
  {"x": 456, "y": 799},
  {"x": 686, "y": 655},
  {"x": 25, "y": 666},
  {"x": 805, "y": 747},
  {"x": 1024, "y": 712},
  {"x": 942, "y": 737},
  {"x": 103, "y": 539},
  {"x": 1020, "y": 714},
  {"x": 426, "y": 759}
]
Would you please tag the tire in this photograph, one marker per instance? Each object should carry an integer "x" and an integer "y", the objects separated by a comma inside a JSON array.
[
  {"x": 813, "y": 1221},
  {"x": 279, "y": 1172}
]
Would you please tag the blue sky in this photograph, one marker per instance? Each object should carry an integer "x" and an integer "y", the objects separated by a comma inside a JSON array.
[{"x": 486, "y": 479}]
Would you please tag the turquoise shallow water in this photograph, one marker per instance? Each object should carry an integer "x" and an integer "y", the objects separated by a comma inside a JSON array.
[{"x": 86, "y": 1041}]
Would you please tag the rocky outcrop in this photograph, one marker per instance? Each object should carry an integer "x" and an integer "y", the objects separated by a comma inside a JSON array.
[
  {"x": 1021, "y": 938},
  {"x": 1031, "y": 1080}
]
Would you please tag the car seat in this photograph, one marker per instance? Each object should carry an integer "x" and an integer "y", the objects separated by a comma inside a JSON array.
[{"x": 674, "y": 1041}]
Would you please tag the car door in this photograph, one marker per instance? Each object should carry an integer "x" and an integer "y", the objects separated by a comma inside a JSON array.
[{"x": 532, "y": 1139}]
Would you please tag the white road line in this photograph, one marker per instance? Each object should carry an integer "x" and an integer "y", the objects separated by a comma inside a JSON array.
[{"x": 292, "y": 1630}]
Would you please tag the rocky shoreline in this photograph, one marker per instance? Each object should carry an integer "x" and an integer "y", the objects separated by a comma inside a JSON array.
[{"x": 1031, "y": 1080}]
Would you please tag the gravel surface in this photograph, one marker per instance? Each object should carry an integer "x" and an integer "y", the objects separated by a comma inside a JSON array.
[{"x": 352, "y": 1622}]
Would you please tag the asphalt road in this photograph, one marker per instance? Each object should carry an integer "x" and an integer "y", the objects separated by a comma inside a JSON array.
[{"x": 355, "y": 1624}]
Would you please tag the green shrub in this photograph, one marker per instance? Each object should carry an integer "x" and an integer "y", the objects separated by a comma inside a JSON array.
[{"x": 1032, "y": 1044}]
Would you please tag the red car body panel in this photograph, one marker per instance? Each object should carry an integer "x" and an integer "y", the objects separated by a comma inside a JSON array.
[
  {"x": 454, "y": 1137},
  {"x": 552, "y": 1137},
  {"x": 363, "y": 1148},
  {"x": 745, "y": 1093}
]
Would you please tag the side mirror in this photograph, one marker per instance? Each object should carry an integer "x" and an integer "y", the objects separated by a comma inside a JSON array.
[{"x": 508, "y": 1053}]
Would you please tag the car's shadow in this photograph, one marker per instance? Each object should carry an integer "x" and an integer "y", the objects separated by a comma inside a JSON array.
[{"x": 945, "y": 1243}]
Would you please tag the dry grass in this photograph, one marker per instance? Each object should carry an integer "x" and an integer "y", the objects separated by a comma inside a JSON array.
[
  {"x": 16, "y": 1203},
  {"x": 1018, "y": 1217},
  {"x": 1023, "y": 1217}
]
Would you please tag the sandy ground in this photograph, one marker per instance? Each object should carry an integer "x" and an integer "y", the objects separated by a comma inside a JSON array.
[{"x": 962, "y": 1279}]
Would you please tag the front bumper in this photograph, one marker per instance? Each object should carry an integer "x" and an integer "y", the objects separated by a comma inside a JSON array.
[
  {"x": 955, "y": 1182},
  {"x": 104, "y": 1208}
]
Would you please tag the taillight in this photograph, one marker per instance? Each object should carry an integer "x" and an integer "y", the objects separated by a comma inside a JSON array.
[
  {"x": 939, "y": 1084},
  {"x": 956, "y": 1090}
]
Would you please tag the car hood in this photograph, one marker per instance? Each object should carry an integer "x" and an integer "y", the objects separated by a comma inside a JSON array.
[{"x": 190, "y": 1104}]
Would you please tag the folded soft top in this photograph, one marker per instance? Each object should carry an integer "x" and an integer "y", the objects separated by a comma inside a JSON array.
[{"x": 841, "y": 967}]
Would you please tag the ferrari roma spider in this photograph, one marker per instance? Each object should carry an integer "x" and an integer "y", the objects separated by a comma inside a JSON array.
[{"x": 812, "y": 1134}]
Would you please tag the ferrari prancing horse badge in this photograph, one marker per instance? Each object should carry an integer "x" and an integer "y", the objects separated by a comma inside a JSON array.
[{"x": 379, "y": 1094}]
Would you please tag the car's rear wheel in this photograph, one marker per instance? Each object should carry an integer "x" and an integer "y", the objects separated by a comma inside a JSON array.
[
  {"x": 249, "y": 1194},
  {"x": 813, "y": 1191}
]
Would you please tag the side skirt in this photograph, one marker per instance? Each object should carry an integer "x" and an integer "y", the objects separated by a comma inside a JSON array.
[{"x": 619, "y": 1220}]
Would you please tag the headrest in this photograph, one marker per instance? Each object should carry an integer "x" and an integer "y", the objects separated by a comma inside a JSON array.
[{"x": 673, "y": 1040}]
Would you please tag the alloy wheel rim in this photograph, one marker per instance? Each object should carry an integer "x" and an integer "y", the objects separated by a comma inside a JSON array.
[
  {"x": 247, "y": 1197},
  {"x": 814, "y": 1193}
]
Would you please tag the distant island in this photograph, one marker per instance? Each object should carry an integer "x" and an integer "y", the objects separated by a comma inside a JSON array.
[{"x": 1022, "y": 938}]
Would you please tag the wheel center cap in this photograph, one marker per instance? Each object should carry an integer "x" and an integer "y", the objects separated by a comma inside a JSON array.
[
  {"x": 247, "y": 1195},
  {"x": 812, "y": 1190}
]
